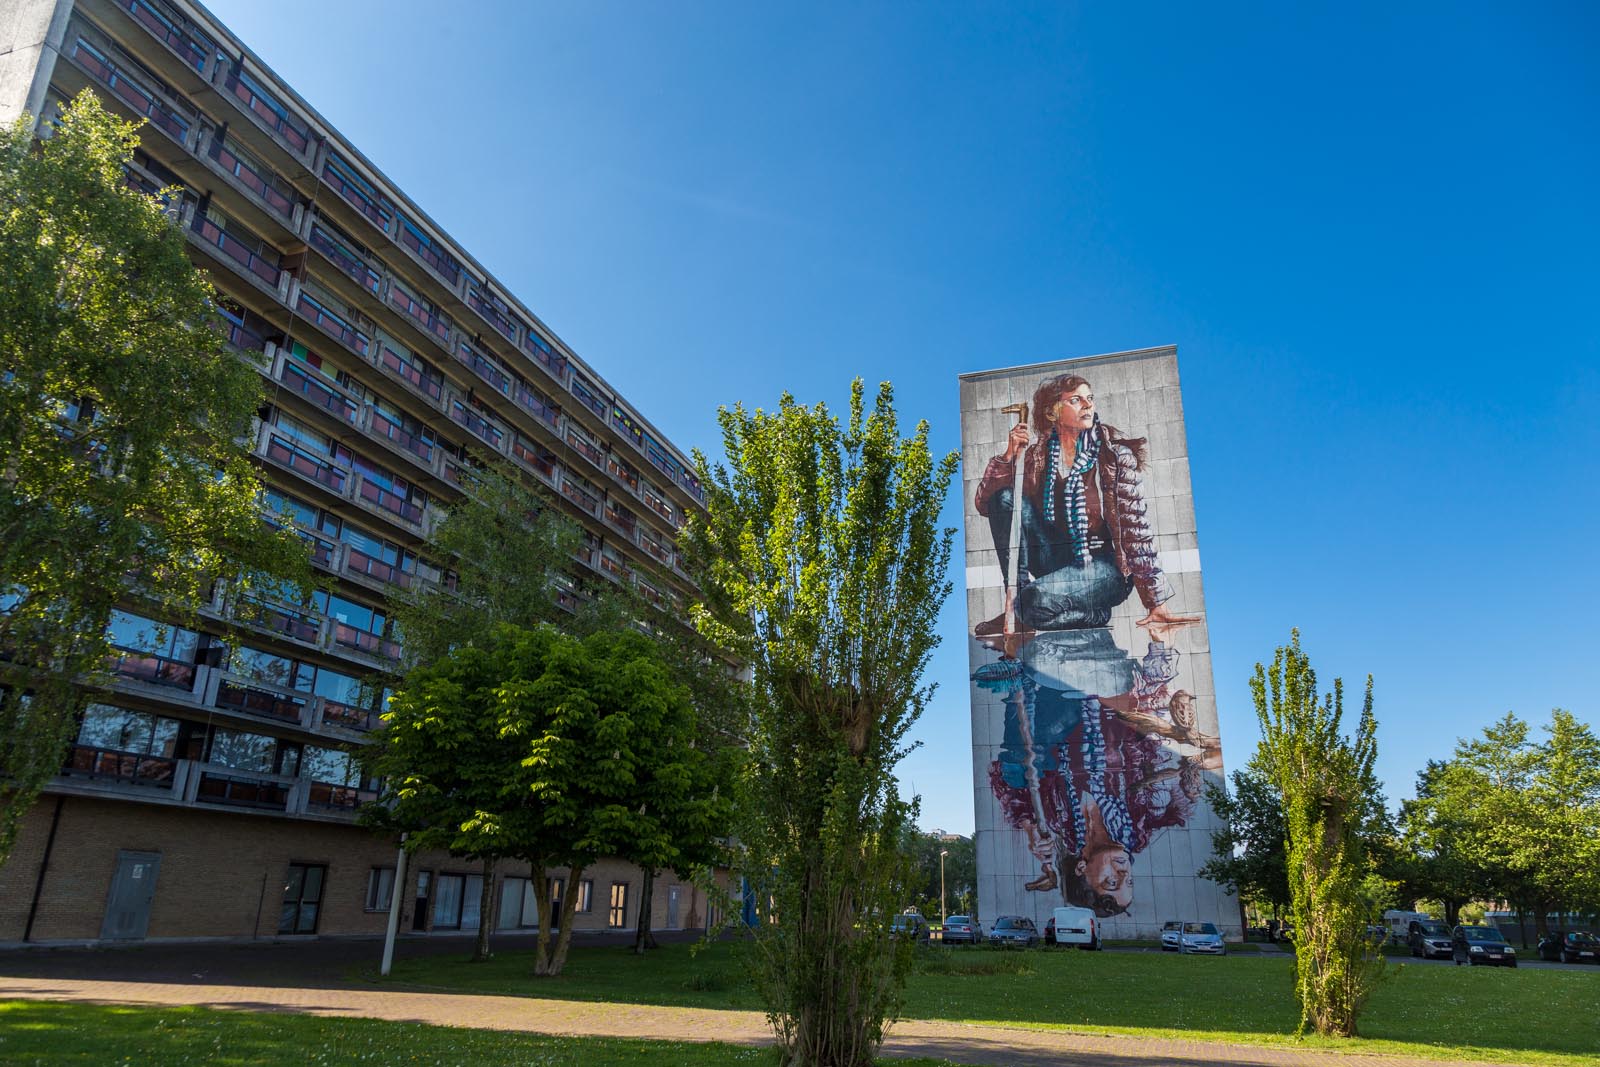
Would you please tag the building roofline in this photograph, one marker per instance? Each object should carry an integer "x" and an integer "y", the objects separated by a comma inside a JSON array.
[{"x": 1104, "y": 357}]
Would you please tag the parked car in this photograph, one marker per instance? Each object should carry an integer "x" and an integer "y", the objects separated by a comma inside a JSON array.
[
  {"x": 1574, "y": 947},
  {"x": 909, "y": 924},
  {"x": 1428, "y": 938},
  {"x": 1481, "y": 944},
  {"x": 1073, "y": 926},
  {"x": 1171, "y": 933},
  {"x": 1014, "y": 930},
  {"x": 963, "y": 930},
  {"x": 1202, "y": 938}
]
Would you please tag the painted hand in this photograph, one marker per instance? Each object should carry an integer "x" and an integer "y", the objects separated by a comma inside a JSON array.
[{"x": 1160, "y": 622}]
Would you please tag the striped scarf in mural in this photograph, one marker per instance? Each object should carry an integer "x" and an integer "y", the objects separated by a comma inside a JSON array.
[
  {"x": 1113, "y": 810},
  {"x": 1074, "y": 499}
]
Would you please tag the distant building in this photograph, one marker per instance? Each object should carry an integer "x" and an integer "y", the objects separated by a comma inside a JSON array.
[{"x": 209, "y": 793}]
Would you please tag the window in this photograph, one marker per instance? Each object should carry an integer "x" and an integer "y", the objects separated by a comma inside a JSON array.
[
  {"x": 380, "y": 888},
  {"x": 456, "y": 901},
  {"x": 123, "y": 730},
  {"x": 558, "y": 889},
  {"x": 302, "y": 898},
  {"x": 139, "y": 634},
  {"x": 331, "y": 765},
  {"x": 256, "y": 753},
  {"x": 618, "y": 916},
  {"x": 519, "y": 908},
  {"x": 586, "y": 896}
]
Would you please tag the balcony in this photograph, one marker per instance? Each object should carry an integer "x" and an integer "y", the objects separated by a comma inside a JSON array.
[
  {"x": 245, "y": 341},
  {"x": 582, "y": 494},
  {"x": 588, "y": 394},
  {"x": 350, "y": 717},
  {"x": 254, "y": 700},
  {"x": 586, "y": 447},
  {"x": 356, "y": 191},
  {"x": 418, "y": 449},
  {"x": 539, "y": 406},
  {"x": 342, "y": 256},
  {"x": 151, "y": 670},
  {"x": 545, "y": 355},
  {"x": 286, "y": 454},
  {"x": 432, "y": 321},
  {"x": 317, "y": 312},
  {"x": 129, "y": 768},
  {"x": 267, "y": 186},
  {"x": 421, "y": 379},
  {"x": 656, "y": 549},
  {"x": 326, "y": 796},
  {"x": 484, "y": 368},
  {"x": 169, "y": 28},
  {"x": 262, "y": 266},
  {"x": 131, "y": 90},
  {"x": 477, "y": 425},
  {"x": 363, "y": 641},
  {"x": 271, "y": 114},
  {"x": 621, "y": 519},
  {"x": 430, "y": 252},
  {"x": 281, "y": 621},
  {"x": 241, "y": 789},
  {"x": 361, "y": 565},
  {"x": 493, "y": 310},
  {"x": 303, "y": 380},
  {"x": 387, "y": 502},
  {"x": 536, "y": 459}
]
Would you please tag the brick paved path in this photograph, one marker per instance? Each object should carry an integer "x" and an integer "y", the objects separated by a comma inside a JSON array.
[{"x": 264, "y": 978}]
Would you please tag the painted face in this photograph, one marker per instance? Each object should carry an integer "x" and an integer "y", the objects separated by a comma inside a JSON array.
[
  {"x": 1110, "y": 871},
  {"x": 1074, "y": 412}
]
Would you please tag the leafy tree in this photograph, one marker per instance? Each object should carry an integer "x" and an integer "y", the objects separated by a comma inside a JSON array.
[
  {"x": 126, "y": 478},
  {"x": 1248, "y": 851},
  {"x": 1327, "y": 783},
  {"x": 824, "y": 570},
  {"x": 960, "y": 873}
]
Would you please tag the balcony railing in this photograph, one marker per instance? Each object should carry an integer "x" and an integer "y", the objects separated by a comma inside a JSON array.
[
  {"x": 655, "y": 548},
  {"x": 151, "y": 669},
  {"x": 299, "y": 379},
  {"x": 269, "y": 111},
  {"x": 442, "y": 262},
  {"x": 621, "y": 518},
  {"x": 476, "y": 424},
  {"x": 357, "y": 192},
  {"x": 279, "y": 620},
  {"x": 344, "y": 258},
  {"x": 544, "y": 355},
  {"x": 255, "y": 701},
  {"x": 327, "y": 320},
  {"x": 262, "y": 185},
  {"x": 329, "y": 797},
  {"x": 390, "y": 501},
  {"x": 494, "y": 312},
  {"x": 164, "y": 27},
  {"x": 538, "y": 406},
  {"x": 365, "y": 641},
  {"x": 421, "y": 312},
  {"x": 585, "y": 447},
  {"x": 322, "y": 472},
  {"x": 130, "y": 91},
  {"x": 370, "y": 567},
  {"x": 429, "y": 384},
  {"x": 588, "y": 395},
  {"x": 261, "y": 266},
  {"x": 350, "y": 717},
  {"x": 246, "y": 340},
  {"x": 535, "y": 457},
  {"x": 484, "y": 368},
  {"x": 579, "y": 495},
  {"x": 239, "y": 791},
  {"x": 130, "y": 767}
]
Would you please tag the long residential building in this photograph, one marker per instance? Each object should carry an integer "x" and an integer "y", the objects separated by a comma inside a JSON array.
[{"x": 210, "y": 792}]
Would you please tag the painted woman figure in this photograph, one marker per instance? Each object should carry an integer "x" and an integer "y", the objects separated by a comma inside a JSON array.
[{"x": 1086, "y": 541}]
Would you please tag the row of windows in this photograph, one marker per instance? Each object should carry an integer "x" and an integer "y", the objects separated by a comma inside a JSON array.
[{"x": 449, "y": 901}]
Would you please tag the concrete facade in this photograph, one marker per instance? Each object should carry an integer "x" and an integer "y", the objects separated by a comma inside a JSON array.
[{"x": 1078, "y": 752}]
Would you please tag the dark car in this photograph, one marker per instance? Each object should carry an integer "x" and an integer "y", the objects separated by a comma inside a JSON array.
[
  {"x": 963, "y": 930},
  {"x": 909, "y": 925},
  {"x": 1014, "y": 930},
  {"x": 1574, "y": 947},
  {"x": 1481, "y": 944},
  {"x": 1429, "y": 938}
]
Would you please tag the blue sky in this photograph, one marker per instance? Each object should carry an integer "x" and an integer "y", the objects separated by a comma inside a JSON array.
[{"x": 1370, "y": 232}]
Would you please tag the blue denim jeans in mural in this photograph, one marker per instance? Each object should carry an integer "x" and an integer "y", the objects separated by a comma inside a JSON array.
[{"x": 1061, "y": 595}]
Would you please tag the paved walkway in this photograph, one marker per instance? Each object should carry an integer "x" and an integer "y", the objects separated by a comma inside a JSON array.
[{"x": 256, "y": 978}]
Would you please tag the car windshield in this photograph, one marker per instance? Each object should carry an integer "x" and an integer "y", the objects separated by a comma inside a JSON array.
[
  {"x": 1199, "y": 928},
  {"x": 1581, "y": 939},
  {"x": 1480, "y": 933},
  {"x": 1174, "y": 925},
  {"x": 1434, "y": 929},
  {"x": 955, "y": 920},
  {"x": 1007, "y": 924}
]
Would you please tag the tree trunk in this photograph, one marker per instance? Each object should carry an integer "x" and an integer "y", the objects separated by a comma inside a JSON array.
[
  {"x": 485, "y": 907},
  {"x": 569, "y": 908},
  {"x": 643, "y": 939},
  {"x": 541, "y": 896}
]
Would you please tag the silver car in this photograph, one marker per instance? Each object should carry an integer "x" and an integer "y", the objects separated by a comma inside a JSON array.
[
  {"x": 1203, "y": 938},
  {"x": 1171, "y": 931}
]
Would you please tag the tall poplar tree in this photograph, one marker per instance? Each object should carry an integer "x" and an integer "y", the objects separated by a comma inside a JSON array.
[
  {"x": 824, "y": 569},
  {"x": 126, "y": 475},
  {"x": 1327, "y": 785}
]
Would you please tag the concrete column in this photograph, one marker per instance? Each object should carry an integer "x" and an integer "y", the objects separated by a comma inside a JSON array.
[{"x": 30, "y": 39}]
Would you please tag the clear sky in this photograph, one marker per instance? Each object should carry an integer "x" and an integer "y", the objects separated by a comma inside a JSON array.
[{"x": 1371, "y": 230}]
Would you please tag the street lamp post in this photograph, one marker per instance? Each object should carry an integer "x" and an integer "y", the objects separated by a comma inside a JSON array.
[{"x": 944, "y": 912}]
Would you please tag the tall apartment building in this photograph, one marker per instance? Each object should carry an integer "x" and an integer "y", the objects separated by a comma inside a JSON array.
[{"x": 210, "y": 792}]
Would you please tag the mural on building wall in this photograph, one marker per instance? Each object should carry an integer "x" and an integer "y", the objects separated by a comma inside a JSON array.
[{"x": 1094, "y": 724}]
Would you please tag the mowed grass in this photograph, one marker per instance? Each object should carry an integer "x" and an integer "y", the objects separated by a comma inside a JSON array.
[
  {"x": 1508, "y": 1016},
  {"x": 48, "y": 1034}
]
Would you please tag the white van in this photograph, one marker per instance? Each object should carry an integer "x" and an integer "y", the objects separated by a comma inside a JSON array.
[
  {"x": 1397, "y": 924},
  {"x": 1075, "y": 926}
]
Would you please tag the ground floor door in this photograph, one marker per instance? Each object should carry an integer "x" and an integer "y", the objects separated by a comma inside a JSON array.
[
  {"x": 133, "y": 887},
  {"x": 672, "y": 907}
]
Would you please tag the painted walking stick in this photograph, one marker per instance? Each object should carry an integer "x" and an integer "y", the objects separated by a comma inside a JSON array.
[{"x": 1013, "y": 568}]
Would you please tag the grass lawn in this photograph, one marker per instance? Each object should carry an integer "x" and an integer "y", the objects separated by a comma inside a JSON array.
[
  {"x": 43, "y": 1033},
  {"x": 1508, "y": 1016}
]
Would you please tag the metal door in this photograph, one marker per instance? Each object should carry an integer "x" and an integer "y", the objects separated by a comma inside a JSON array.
[
  {"x": 133, "y": 887},
  {"x": 672, "y": 907}
]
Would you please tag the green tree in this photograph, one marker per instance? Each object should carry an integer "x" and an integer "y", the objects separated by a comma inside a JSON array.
[
  {"x": 824, "y": 568},
  {"x": 1249, "y": 855},
  {"x": 1326, "y": 782},
  {"x": 126, "y": 479},
  {"x": 960, "y": 873}
]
